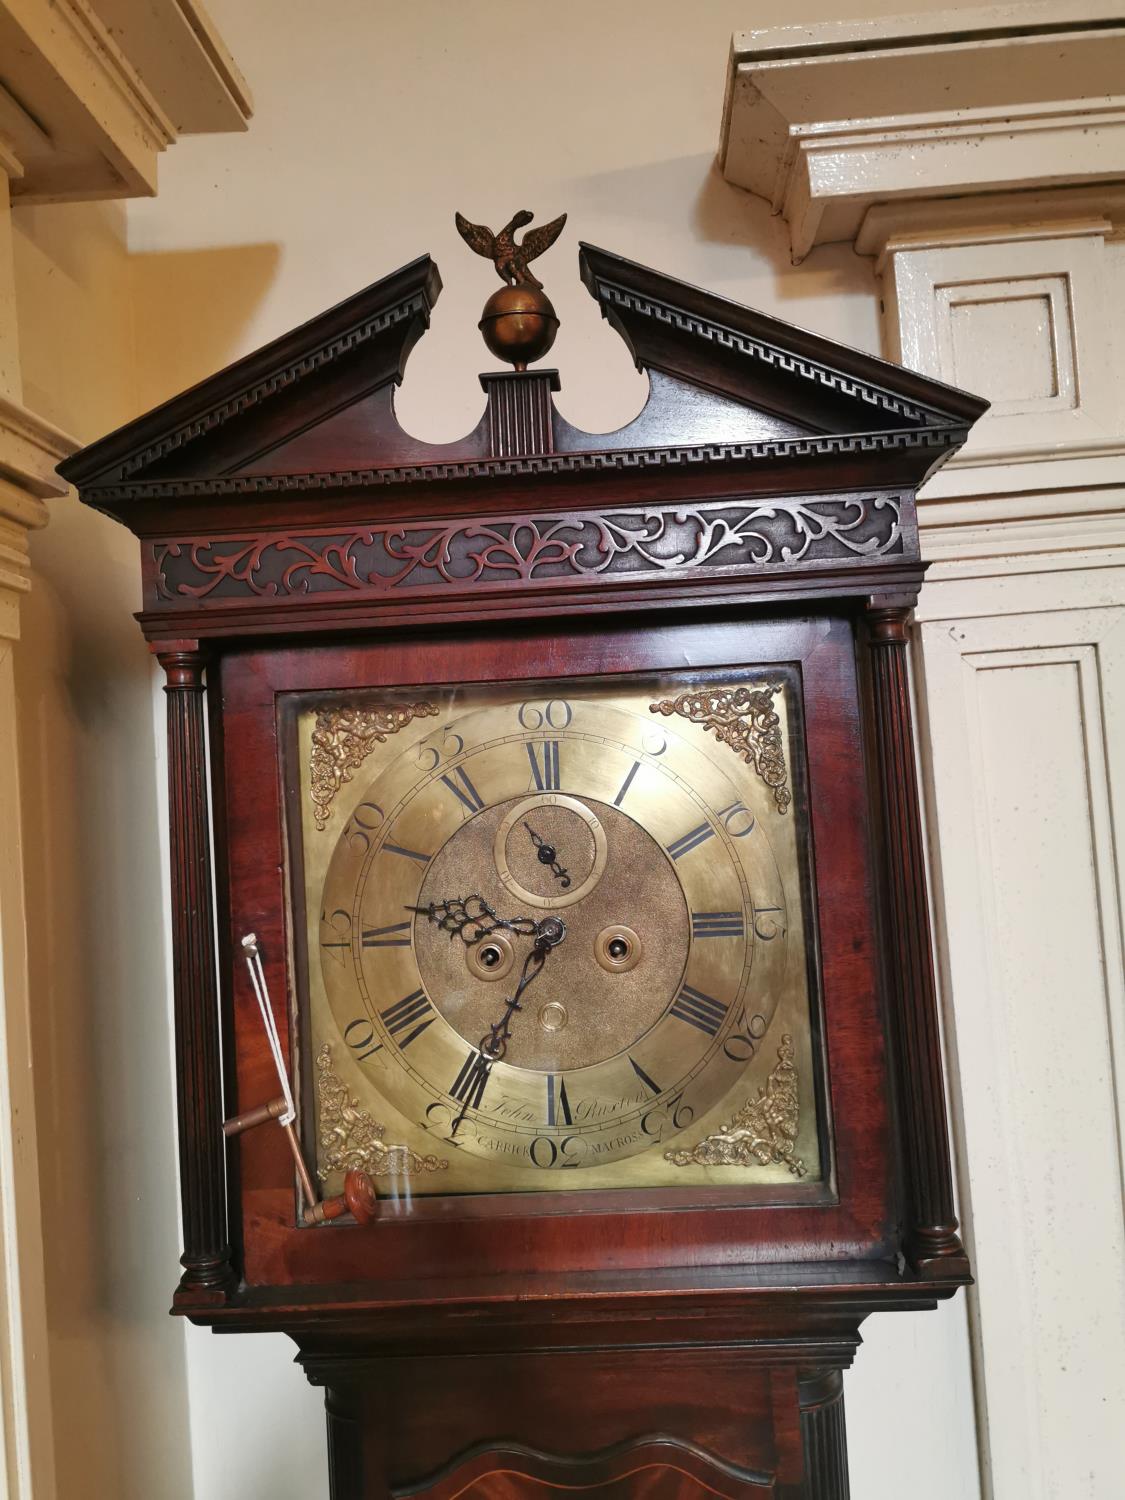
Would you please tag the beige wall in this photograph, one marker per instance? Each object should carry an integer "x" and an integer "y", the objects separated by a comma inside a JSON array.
[
  {"x": 95, "y": 917},
  {"x": 373, "y": 122}
]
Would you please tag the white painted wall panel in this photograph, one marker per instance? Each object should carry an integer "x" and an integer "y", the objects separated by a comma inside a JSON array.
[{"x": 1021, "y": 711}]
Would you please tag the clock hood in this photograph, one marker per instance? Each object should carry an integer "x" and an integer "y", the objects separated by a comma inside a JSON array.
[{"x": 314, "y": 409}]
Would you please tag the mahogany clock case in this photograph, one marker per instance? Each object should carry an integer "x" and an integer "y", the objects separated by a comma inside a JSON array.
[{"x": 758, "y": 513}]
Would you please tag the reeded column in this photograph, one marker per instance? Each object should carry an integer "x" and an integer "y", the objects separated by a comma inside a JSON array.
[
  {"x": 208, "y": 1274},
  {"x": 933, "y": 1244},
  {"x": 345, "y": 1444},
  {"x": 823, "y": 1435},
  {"x": 521, "y": 413}
]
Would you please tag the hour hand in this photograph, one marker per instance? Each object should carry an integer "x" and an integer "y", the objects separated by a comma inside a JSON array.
[{"x": 471, "y": 918}]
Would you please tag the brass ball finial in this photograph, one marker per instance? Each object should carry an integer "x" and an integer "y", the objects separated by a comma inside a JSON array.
[{"x": 518, "y": 324}]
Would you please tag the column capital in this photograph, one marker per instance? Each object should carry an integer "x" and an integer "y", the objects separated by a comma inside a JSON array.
[
  {"x": 979, "y": 157},
  {"x": 29, "y": 450},
  {"x": 832, "y": 121},
  {"x": 95, "y": 97}
]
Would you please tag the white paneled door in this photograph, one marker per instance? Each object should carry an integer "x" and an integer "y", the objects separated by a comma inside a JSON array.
[{"x": 1027, "y": 781}]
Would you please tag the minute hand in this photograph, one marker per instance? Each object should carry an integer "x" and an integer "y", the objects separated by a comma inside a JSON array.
[{"x": 495, "y": 1044}]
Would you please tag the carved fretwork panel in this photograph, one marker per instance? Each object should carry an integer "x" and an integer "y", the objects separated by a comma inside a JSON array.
[{"x": 377, "y": 560}]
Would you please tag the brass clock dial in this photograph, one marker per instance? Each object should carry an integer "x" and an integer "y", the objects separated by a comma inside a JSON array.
[{"x": 552, "y": 932}]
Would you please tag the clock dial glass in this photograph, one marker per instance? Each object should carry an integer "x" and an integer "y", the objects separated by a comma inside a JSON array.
[{"x": 556, "y": 935}]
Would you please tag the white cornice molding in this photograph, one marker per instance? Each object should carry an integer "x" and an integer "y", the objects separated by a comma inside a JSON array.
[
  {"x": 29, "y": 450},
  {"x": 828, "y": 122},
  {"x": 979, "y": 156},
  {"x": 30, "y": 447},
  {"x": 84, "y": 116}
]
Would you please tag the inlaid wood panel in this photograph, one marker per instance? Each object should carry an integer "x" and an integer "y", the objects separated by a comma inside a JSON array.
[{"x": 649, "y": 1469}]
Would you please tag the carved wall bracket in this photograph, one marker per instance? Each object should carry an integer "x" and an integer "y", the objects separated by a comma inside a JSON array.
[
  {"x": 351, "y": 1138},
  {"x": 764, "y": 1130},
  {"x": 743, "y": 718},
  {"x": 342, "y": 740}
]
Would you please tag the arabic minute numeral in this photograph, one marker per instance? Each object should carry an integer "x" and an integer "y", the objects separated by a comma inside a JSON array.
[
  {"x": 363, "y": 822},
  {"x": 339, "y": 924},
  {"x": 675, "y": 1114},
  {"x": 738, "y": 820},
  {"x": 743, "y": 1041},
  {"x": 360, "y": 1037},
  {"x": 556, "y": 714},
  {"x": 429, "y": 757},
  {"x": 546, "y": 1152},
  {"x": 773, "y": 928}
]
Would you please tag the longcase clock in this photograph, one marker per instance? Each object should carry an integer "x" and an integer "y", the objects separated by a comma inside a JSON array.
[{"x": 564, "y": 1077}]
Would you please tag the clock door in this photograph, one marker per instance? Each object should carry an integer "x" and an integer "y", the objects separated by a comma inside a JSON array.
[{"x": 554, "y": 924}]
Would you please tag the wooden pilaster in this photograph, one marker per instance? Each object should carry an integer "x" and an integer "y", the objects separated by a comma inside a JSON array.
[
  {"x": 823, "y": 1435},
  {"x": 208, "y": 1275},
  {"x": 931, "y": 1240}
]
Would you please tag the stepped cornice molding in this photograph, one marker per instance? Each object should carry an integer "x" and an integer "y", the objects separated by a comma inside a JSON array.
[
  {"x": 94, "y": 90},
  {"x": 829, "y": 122},
  {"x": 29, "y": 450}
]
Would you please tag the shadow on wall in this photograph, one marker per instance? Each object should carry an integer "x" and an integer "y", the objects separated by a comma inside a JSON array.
[
  {"x": 191, "y": 309},
  {"x": 91, "y": 772},
  {"x": 100, "y": 1018},
  {"x": 731, "y": 244}
]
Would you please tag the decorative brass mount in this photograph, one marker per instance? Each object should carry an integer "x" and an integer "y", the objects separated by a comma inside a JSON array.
[
  {"x": 743, "y": 718},
  {"x": 352, "y": 1139},
  {"x": 764, "y": 1130},
  {"x": 342, "y": 740}
]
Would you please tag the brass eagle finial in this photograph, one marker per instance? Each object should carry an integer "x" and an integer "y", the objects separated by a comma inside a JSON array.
[{"x": 509, "y": 258}]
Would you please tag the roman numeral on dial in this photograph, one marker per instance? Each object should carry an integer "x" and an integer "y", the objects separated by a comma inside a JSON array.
[
  {"x": 412, "y": 1014},
  {"x": 423, "y": 859},
  {"x": 470, "y": 1084},
  {"x": 397, "y": 936},
  {"x": 643, "y": 1076},
  {"x": 717, "y": 924},
  {"x": 544, "y": 758},
  {"x": 626, "y": 784},
  {"x": 690, "y": 840},
  {"x": 463, "y": 789},
  {"x": 558, "y": 1105},
  {"x": 699, "y": 1010}
]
